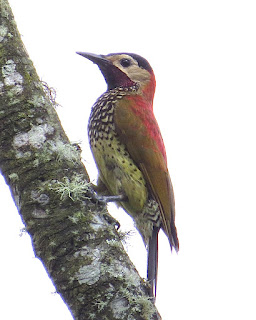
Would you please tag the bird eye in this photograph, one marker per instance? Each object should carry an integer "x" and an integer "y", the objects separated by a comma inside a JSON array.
[{"x": 125, "y": 62}]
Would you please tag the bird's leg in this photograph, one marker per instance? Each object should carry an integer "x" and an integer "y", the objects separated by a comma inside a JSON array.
[
  {"x": 106, "y": 199},
  {"x": 98, "y": 193},
  {"x": 94, "y": 191}
]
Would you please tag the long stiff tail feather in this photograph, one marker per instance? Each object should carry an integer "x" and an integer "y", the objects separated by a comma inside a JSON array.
[{"x": 153, "y": 261}]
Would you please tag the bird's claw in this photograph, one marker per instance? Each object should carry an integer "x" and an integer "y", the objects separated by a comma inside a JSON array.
[{"x": 112, "y": 221}]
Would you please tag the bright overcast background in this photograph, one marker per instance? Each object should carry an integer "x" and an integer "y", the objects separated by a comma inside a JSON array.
[{"x": 204, "y": 57}]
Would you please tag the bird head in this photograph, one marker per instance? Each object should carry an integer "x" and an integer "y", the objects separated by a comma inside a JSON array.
[{"x": 124, "y": 70}]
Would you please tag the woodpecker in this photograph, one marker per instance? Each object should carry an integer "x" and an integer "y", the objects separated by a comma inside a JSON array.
[{"x": 129, "y": 152}]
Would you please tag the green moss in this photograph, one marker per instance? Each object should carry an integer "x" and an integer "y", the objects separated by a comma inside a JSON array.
[{"x": 4, "y": 9}]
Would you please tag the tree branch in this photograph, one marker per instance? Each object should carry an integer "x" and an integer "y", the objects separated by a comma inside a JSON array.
[{"x": 74, "y": 237}]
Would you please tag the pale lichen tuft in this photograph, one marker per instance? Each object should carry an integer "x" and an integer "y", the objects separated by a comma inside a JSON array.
[
  {"x": 13, "y": 177},
  {"x": 39, "y": 213},
  {"x": 65, "y": 151},
  {"x": 3, "y": 32},
  {"x": 12, "y": 78},
  {"x": 40, "y": 198},
  {"x": 74, "y": 189}
]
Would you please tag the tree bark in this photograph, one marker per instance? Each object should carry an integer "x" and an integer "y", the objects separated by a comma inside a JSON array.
[{"x": 74, "y": 237}]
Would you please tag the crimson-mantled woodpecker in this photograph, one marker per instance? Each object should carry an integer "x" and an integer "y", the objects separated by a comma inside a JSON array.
[{"x": 129, "y": 151}]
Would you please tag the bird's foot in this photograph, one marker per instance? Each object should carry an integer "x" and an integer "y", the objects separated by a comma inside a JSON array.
[
  {"x": 112, "y": 221},
  {"x": 102, "y": 199}
]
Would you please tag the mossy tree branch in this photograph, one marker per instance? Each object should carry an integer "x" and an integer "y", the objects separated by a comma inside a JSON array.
[{"x": 75, "y": 238}]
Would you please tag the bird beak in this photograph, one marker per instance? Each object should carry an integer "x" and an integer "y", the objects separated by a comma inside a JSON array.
[
  {"x": 100, "y": 60},
  {"x": 113, "y": 75}
]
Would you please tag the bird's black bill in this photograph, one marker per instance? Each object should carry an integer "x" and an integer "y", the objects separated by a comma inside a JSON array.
[{"x": 95, "y": 58}]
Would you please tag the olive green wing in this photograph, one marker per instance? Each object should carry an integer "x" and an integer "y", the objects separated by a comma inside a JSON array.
[{"x": 140, "y": 133}]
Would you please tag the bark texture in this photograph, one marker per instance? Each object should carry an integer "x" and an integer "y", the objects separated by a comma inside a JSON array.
[{"x": 74, "y": 237}]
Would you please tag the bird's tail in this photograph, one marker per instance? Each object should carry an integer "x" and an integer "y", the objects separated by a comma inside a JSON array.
[{"x": 153, "y": 261}]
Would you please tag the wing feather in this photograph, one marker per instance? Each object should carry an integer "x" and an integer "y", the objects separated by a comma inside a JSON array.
[{"x": 135, "y": 131}]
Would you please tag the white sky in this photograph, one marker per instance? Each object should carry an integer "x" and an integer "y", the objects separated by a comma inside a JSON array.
[{"x": 204, "y": 57}]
